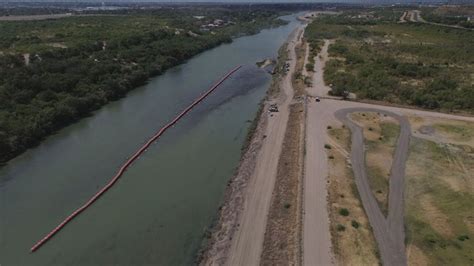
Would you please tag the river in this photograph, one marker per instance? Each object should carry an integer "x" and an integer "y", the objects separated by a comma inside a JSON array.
[{"x": 159, "y": 210}]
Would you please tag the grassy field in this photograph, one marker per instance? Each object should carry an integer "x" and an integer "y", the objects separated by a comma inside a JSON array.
[
  {"x": 440, "y": 194},
  {"x": 381, "y": 134},
  {"x": 352, "y": 238},
  {"x": 403, "y": 63}
]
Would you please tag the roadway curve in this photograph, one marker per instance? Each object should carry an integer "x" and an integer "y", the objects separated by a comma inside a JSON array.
[{"x": 389, "y": 232}]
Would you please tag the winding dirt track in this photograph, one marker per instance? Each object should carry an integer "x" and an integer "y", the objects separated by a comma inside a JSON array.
[{"x": 389, "y": 232}]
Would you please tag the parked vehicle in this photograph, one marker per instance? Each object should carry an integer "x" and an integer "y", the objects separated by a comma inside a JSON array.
[{"x": 273, "y": 108}]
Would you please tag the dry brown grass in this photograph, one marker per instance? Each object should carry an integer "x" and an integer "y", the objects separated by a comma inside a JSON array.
[
  {"x": 417, "y": 257},
  {"x": 282, "y": 244},
  {"x": 380, "y": 133},
  {"x": 440, "y": 193},
  {"x": 298, "y": 79},
  {"x": 444, "y": 130},
  {"x": 353, "y": 246}
]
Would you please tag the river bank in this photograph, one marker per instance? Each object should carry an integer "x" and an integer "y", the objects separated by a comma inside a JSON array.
[{"x": 217, "y": 247}]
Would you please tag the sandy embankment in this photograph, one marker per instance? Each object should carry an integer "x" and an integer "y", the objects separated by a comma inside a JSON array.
[{"x": 242, "y": 217}]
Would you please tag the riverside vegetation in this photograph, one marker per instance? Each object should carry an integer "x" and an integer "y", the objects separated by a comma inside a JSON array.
[{"x": 54, "y": 72}]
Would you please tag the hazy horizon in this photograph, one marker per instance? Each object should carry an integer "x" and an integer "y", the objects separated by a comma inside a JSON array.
[{"x": 229, "y": 1}]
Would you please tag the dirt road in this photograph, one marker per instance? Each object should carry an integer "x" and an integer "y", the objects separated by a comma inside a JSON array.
[
  {"x": 246, "y": 246},
  {"x": 316, "y": 234},
  {"x": 415, "y": 16}
]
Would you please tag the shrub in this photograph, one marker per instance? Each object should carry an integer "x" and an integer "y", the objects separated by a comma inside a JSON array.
[
  {"x": 344, "y": 212},
  {"x": 355, "y": 224},
  {"x": 327, "y": 146},
  {"x": 340, "y": 228}
]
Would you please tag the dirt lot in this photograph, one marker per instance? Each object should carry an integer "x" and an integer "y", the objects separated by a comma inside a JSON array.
[{"x": 353, "y": 241}]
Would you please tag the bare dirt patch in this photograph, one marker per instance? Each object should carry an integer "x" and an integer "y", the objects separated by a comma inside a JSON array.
[
  {"x": 282, "y": 243},
  {"x": 351, "y": 234}
]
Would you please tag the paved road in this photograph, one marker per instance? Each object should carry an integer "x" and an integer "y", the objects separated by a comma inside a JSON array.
[
  {"x": 389, "y": 232},
  {"x": 247, "y": 243}
]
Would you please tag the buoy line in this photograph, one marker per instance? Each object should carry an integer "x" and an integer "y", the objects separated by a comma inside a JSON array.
[{"x": 124, "y": 167}]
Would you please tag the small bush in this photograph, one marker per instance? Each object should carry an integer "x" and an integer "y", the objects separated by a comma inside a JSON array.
[
  {"x": 340, "y": 228},
  {"x": 463, "y": 237},
  {"x": 355, "y": 224},
  {"x": 344, "y": 212},
  {"x": 287, "y": 205},
  {"x": 327, "y": 146},
  {"x": 331, "y": 157},
  {"x": 329, "y": 127}
]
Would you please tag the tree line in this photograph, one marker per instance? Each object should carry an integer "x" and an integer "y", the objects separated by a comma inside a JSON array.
[{"x": 58, "y": 86}]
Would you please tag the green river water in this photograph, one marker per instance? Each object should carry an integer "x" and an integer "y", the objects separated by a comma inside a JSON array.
[{"x": 157, "y": 212}]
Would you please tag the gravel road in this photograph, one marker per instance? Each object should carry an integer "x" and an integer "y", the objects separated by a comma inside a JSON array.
[
  {"x": 389, "y": 232},
  {"x": 247, "y": 243}
]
